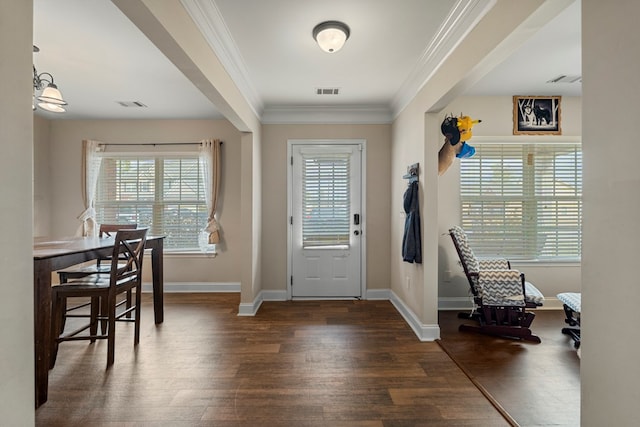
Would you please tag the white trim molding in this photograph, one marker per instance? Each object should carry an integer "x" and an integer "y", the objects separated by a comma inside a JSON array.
[
  {"x": 250, "y": 308},
  {"x": 210, "y": 22},
  {"x": 195, "y": 287},
  {"x": 423, "y": 331},
  {"x": 333, "y": 114},
  {"x": 378, "y": 294},
  {"x": 462, "y": 18},
  {"x": 274, "y": 295}
]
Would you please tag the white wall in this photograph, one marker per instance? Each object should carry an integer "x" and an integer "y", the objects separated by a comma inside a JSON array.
[
  {"x": 610, "y": 281},
  {"x": 16, "y": 225},
  {"x": 63, "y": 187},
  {"x": 41, "y": 177},
  {"x": 496, "y": 114}
]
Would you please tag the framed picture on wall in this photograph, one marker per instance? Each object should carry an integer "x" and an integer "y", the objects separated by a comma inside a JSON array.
[{"x": 536, "y": 115}]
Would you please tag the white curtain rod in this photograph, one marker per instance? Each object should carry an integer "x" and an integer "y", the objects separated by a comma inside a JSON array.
[{"x": 157, "y": 143}]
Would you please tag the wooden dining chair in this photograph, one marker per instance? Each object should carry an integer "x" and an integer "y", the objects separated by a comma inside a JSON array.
[
  {"x": 100, "y": 266},
  {"x": 103, "y": 292}
]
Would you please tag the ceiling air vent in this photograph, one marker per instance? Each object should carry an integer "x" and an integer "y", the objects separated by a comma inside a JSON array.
[
  {"x": 135, "y": 104},
  {"x": 566, "y": 79},
  {"x": 327, "y": 91}
]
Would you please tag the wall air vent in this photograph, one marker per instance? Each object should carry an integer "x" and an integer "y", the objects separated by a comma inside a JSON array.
[
  {"x": 327, "y": 91},
  {"x": 135, "y": 104},
  {"x": 566, "y": 79}
]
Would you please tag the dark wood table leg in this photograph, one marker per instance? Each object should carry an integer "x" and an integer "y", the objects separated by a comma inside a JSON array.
[
  {"x": 158, "y": 280},
  {"x": 42, "y": 327}
]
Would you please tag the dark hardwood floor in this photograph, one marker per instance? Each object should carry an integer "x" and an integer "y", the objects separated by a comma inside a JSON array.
[
  {"x": 536, "y": 384},
  {"x": 329, "y": 363}
]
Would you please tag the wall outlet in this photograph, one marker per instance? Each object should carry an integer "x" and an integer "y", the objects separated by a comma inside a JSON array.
[
  {"x": 447, "y": 276},
  {"x": 407, "y": 282}
]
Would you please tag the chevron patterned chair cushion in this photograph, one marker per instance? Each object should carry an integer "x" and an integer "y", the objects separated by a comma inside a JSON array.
[
  {"x": 494, "y": 264},
  {"x": 465, "y": 250},
  {"x": 573, "y": 300},
  {"x": 475, "y": 266},
  {"x": 501, "y": 288}
]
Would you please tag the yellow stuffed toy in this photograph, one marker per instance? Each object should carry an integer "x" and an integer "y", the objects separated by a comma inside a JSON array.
[{"x": 455, "y": 130}]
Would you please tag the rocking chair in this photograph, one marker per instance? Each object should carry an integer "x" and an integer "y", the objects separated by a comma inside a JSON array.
[
  {"x": 501, "y": 295},
  {"x": 572, "y": 302}
]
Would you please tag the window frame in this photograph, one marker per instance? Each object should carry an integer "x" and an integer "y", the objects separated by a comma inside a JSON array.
[
  {"x": 157, "y": 205},
  {"x": 530, "y": 221}
]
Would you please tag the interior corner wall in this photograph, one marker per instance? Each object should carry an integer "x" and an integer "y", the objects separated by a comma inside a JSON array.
[
  {"x": 274, "y": 189},
  {"x": 250, "y": 217},
  {"x": 611, "y": 230},
  {"x": 17, "y": 394},
  {"x": 41, "y": 177},
  {"x": 408, "y": 136},
  {"x": 496, "y": 113}
]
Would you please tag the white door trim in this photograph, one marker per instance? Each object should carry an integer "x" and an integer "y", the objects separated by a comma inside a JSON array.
[{"x": 363, "y": 208}]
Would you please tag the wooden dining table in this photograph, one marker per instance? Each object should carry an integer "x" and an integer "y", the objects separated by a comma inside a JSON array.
[{"x": 50, "y": 255}]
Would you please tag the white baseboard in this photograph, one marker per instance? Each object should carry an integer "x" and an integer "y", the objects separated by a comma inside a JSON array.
[
  {"x": 271, "y": 295},
  {"x": 250, "y": 308},
  {"x": 195, "y": 287},
  {"x": 422, "y": 331},
  {"x": 378, "y": 294}
]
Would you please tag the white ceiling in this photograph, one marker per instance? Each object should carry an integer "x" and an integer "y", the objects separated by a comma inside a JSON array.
[{"x": 99, "y": 58}]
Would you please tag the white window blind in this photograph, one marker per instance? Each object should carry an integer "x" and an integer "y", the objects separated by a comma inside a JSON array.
[
  {"x": 523, "y": 201},
  {"x": 163, "y": 192},
  {"x": 325, "y": 200}
]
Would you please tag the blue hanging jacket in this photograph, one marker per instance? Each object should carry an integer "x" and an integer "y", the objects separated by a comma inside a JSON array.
[{"x": 411, "y": 246}]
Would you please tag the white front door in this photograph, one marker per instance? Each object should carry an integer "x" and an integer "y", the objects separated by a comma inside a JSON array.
[{"x": 326, "y": 220}]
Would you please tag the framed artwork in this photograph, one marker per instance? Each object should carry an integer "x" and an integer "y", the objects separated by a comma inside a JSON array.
[{"x": 536, "y": 115}]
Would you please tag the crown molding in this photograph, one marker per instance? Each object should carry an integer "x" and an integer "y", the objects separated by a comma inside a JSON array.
[
  {"x": 328, "y": 114},
  {"x": 210, "y": 22},
  {"x": 459, "y": 22},
  {"x": 462, "y": 18}
]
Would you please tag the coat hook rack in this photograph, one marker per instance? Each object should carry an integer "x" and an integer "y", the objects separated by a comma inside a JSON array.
[{"x": 412, "y": 173}]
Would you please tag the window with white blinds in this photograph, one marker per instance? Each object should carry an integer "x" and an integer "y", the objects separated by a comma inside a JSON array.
[
  {"x": 523, "y": 201},
  {"x": 325, "y": 199},
  {"x": 165, "y": 193}
]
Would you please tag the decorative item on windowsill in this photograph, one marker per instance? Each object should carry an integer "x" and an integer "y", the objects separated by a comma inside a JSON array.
[
  {"x": 50, "y": 98},
  {"x": 206, "y": 248},
  {"x": 457, "y": 131}
]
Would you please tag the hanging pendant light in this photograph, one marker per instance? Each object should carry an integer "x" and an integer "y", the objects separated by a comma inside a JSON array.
[{"x": 50, "y": 99}]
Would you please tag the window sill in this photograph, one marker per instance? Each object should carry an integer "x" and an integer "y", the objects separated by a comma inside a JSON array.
[
  {"x": 548, "y": 263},
  {"x": 189, "y": 254}
]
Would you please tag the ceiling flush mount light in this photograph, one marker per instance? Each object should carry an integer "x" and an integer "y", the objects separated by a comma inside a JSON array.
[
  {"x": 331, "y": 35},
  {"x": 50, "y": 98}
]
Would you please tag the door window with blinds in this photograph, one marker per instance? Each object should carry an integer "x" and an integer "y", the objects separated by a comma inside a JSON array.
[
  {"x": 162, "y": 191},
  {"x": 326, "y": 199},
  {"x": 523, "y": 201}
]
